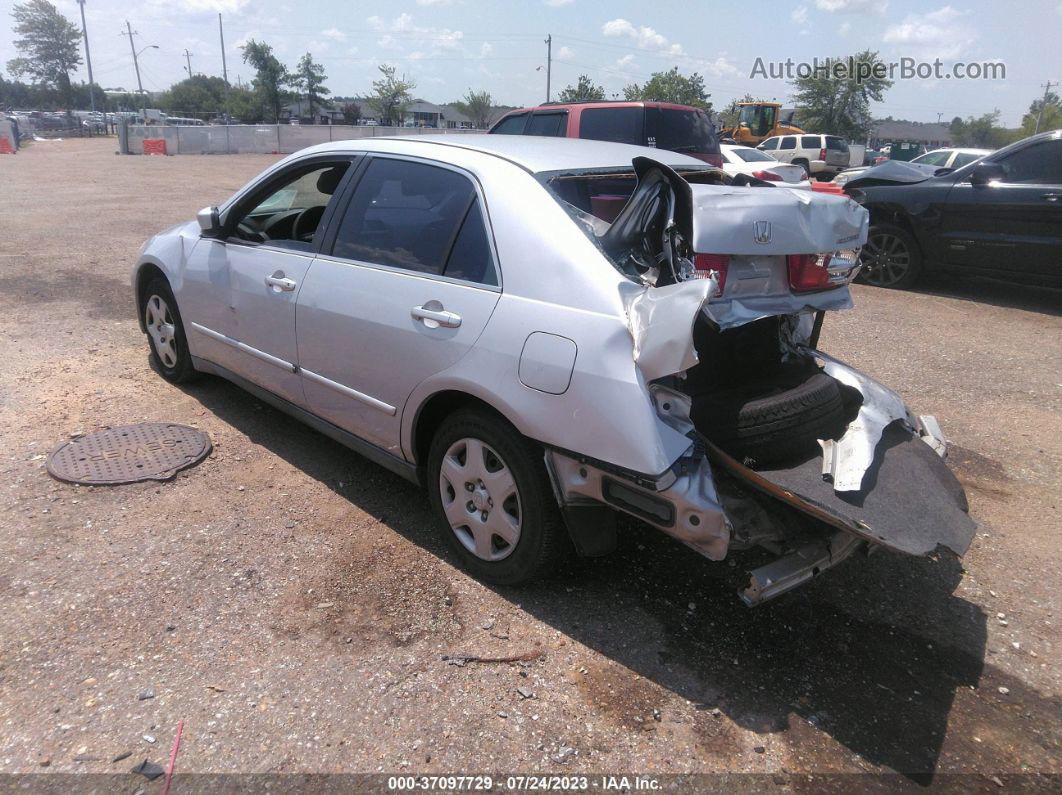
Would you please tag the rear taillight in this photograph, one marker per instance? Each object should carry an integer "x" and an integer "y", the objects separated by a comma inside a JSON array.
[
  {"x": 822, "y": 153},
  {"x": 809, "y": 272},
  {"x": 770, "y": 176},
  {"x": 705, "y": 264}
]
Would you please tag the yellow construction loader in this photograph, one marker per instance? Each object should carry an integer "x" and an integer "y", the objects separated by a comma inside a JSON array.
[{"x": 758, "y": 121}]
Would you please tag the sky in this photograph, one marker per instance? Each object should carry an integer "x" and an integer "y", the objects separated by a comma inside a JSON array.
[{"x": 450, "y": 46}]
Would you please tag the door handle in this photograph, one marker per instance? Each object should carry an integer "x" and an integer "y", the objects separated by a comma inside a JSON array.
[
  {"x": 280, "y": 282},
  {"x": 1051, "y": 197},
  {"x": 433, "y": 318}
]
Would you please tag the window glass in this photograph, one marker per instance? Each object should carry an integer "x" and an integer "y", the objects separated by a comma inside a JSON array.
[
  {"x": 551, "y": 124},
  {"x": 810, "y": 142},
  {"x": 680, "y": 130},
  {"x": 770, "y": 143},
  {"x": 288, "y": 214},
  {"x": 964, "y": 159},
  {"x": 511, "y": 125},
  {"x": 789, "y": 142},
  {"x": 751, "y": 155},
  {"x": 1039, "y": 164},
  {"x": 835, "y": 144},
  {"x": 470, "y": 258},
  {"x": 932, "y": 159},
  {"x": 405, "y": 215},
  {"x": 622, "y": 125}
]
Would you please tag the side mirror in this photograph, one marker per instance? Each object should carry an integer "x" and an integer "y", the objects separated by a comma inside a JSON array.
[
  {"x": 209, "y": 221},
  {"x": 985, "y": 173}
]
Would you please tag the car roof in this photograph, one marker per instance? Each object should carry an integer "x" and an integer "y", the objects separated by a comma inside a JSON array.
[
  {"x": 604, "y": 103},
  {"x": 533, "y": 153}
]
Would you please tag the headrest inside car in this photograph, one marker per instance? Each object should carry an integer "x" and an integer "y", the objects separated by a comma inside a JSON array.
[{"x": 328, "y": 181}]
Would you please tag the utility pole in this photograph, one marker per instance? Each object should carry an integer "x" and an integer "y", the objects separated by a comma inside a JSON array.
[
  {"x": 549, "y": 61},
  {"x": 188, "y": 60},
  {"x": 224, "y": 68},
  {"x": 939, "y": 114},
  {"x": 1043, "y": 104},
  {"x": 88, "y": 58},
  {"x": 136, "y": 64}
]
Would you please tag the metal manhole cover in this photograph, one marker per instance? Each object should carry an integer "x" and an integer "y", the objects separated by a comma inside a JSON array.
[{"x": 145, "y": 451}]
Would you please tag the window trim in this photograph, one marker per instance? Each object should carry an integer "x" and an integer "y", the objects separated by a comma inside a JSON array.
[{"x": 328, "y": 247}]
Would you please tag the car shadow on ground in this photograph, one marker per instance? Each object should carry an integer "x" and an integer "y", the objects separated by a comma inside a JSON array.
[
  {"x": 872, "y": 655},
  {"x": 1045, "y": 300}
]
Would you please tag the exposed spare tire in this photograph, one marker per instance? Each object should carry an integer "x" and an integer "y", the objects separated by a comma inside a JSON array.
[{"x": 771, "y": 421}]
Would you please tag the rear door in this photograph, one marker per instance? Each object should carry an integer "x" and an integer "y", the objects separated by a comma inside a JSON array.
[
  {"x": 836, "y": 151},
  {"x": 786, "y": 148},
  {"x": 1014, "y": 224},
  {"x": 404, "y": 287},
  {"x": 550, "y": 123}
]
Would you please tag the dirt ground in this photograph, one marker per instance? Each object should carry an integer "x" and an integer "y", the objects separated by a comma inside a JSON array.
[{"x": 292, "y": 602}]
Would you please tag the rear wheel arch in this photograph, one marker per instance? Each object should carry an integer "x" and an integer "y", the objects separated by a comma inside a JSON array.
[{"x": 433, "y": 412}]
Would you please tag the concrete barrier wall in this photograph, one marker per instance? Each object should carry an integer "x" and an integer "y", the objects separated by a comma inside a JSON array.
[{"x": 259, "y": 138}]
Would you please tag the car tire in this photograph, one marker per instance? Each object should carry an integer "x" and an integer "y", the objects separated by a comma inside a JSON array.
[
  {"x": 474, "y": 459},
  {"x": 165, "y": 332},
  {"x": 890, "y": 258},
  {"x": 774, "y": 421}
]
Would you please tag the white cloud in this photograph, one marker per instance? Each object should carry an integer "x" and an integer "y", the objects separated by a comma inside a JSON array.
[
  {"x": 335, "y": 34},
  {"x": 557, "y": 3},
  {"x": 435, "y": 39},
  {"x": 221, "y": 6},
  {"x": 486, "y": 49},
  {"x": 844, "y": 29},
  {"x": 643, "y": 36},
  {"x": 718, "y": 68},
  {"x": 564, "y": 54},
  {"x": 800, "y": 15},
  {"x": 936, "y": 34},
  {"x": 626, "y": 60},
  {"x": 435, "y": 2},
  {"x": 854, "y": 6}
]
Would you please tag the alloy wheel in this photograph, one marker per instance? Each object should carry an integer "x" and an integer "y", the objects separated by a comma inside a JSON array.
[
  {"x": 885, "y": 258},
  {"x": 480, "y": 499},
  {"x": 162, "y": 330}
]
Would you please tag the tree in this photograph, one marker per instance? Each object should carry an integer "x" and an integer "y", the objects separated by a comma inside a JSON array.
[
  {"x": 982, "y": 132},
  {"x": 392, "y": 94},
  {"x": 199, "y": 95},
  {"x": 245, "y": 105},
  {"x": 351, "y": 112},
  {"x": 271, "y": 76},
  {"x": 309, "y": 79},
  {"x": 828, "y": 104},
  {"x": 584, "y": 90},
  {"x": 48, "y": 45},
  {"x": 1051, "y": 118},
  {"x": 671, "y": 86},
  {"x": 477, "y": 106}
]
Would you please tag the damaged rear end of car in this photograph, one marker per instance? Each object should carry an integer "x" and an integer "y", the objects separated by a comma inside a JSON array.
[{"x": 789, "y": 449}]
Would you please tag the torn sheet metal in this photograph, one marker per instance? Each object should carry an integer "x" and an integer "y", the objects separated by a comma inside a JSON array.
[
  {"x": 846, "y": 460},
  {"x": 757, "y": 221},
  {"x": 661, "y": 321}
]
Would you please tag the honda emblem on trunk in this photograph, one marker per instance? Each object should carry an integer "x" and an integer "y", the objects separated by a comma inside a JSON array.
[{"x": 762, "y": 231}]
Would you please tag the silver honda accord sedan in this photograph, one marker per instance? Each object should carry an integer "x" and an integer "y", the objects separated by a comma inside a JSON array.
[{"x": 546, "y": 333}]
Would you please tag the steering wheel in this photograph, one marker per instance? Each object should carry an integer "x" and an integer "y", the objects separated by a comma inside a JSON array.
[
  {"x": 248, "y": 232},
  {"x": 306, "y": 222}
]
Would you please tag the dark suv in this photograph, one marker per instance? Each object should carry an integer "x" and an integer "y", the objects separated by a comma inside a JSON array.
[{"x": 680, "y": 128}]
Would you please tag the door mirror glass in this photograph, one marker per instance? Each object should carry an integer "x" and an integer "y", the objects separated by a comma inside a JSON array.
[
  {"x": 209, "y": 221},
  {"x": 984, "y": 173}
]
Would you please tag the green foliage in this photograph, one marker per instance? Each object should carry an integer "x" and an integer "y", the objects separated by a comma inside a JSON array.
[
  {"x": 391, "y": 95},
  {"x": 477, "y": 106},
  {"x": 584, "y": 90},
  {"x": 245, "y": 105},
  {"x": 24, "y": 96},
  {"x": 48, "y": 46},
  {"x": 840, "y": 107},
  {"x": 271, "y": 77},
  {"x": 1052, "y": 115},
  {"x": 309, "y": 79},
  {"x": 351, "y": 112},
  {"x": 671, "y": 86},
  {"x": 982, "y": 132},
  {"x": 196, "y": 96}
]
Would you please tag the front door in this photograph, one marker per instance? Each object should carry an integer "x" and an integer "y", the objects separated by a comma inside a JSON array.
[
  {"x": 1014, "y": 224},
  {"x": 241, "y": 288},
  {"x": 403, "y": 293}
]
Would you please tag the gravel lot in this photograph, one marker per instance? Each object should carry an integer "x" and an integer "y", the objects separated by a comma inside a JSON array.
[{"x": 292, "y": 602}]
